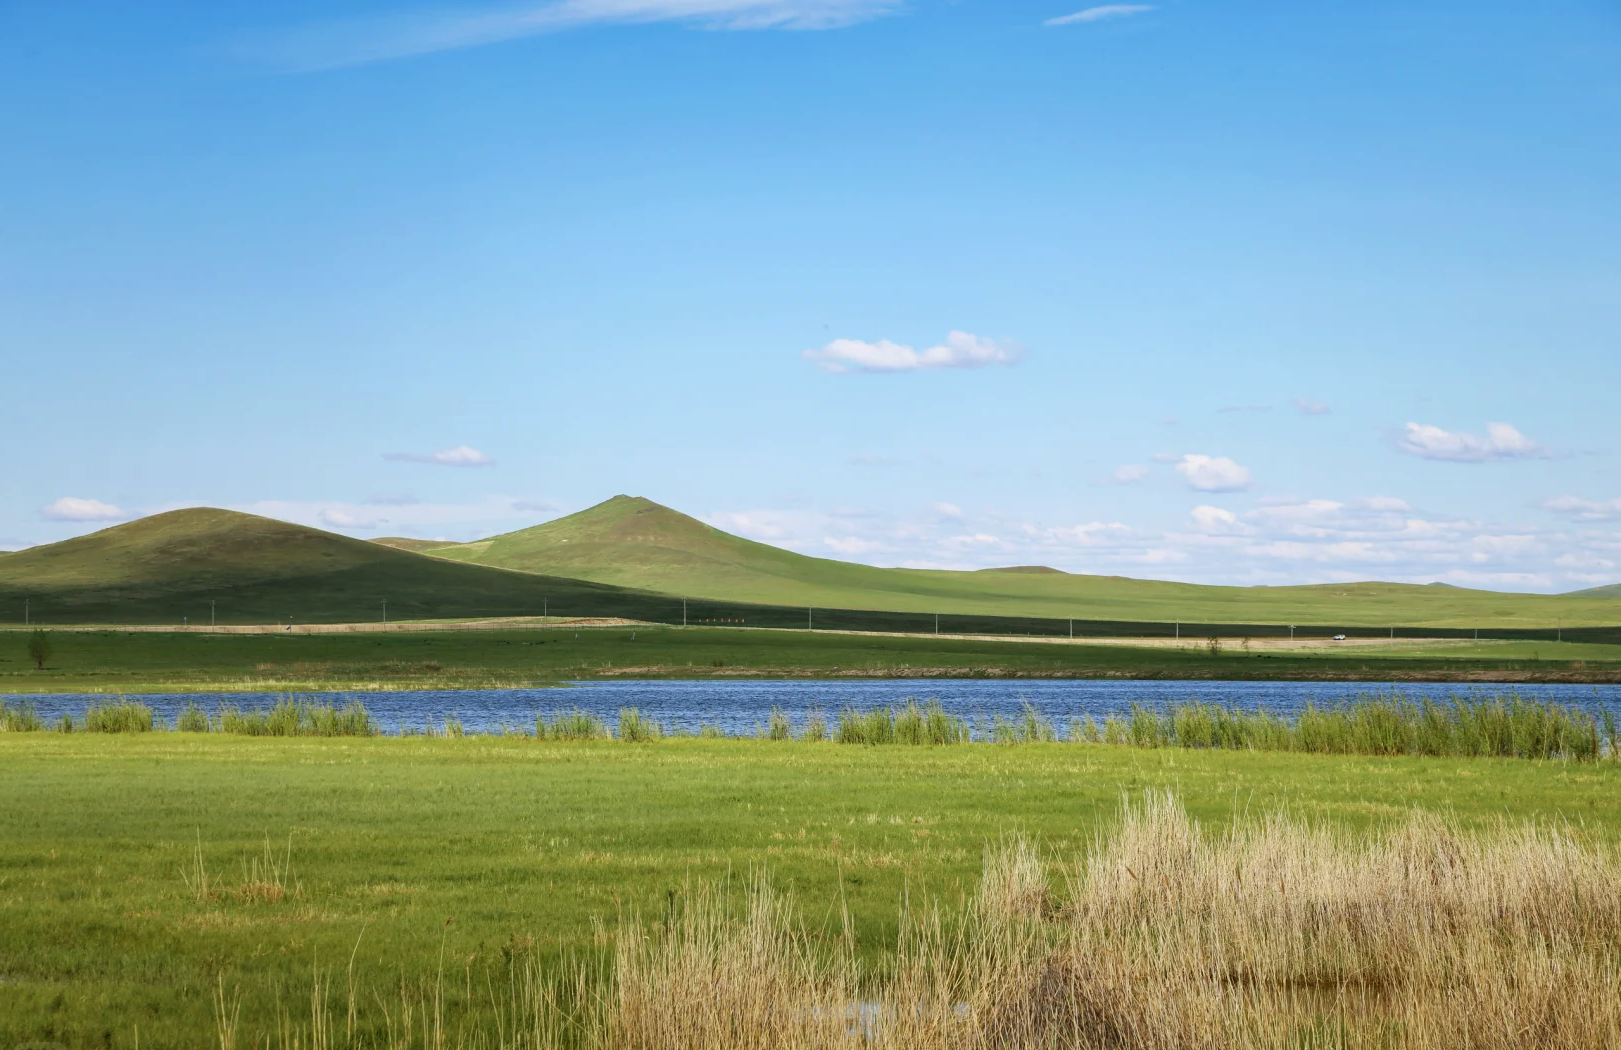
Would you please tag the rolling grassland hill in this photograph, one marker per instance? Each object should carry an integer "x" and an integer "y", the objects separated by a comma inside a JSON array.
[
  {"x": 629, "y": 541},
  {"x": 259, "y": 570}
]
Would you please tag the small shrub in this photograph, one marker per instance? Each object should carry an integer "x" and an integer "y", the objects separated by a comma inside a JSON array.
[
  {"x": 40, "y": 649},
  {"x": 121, "y": 716}
]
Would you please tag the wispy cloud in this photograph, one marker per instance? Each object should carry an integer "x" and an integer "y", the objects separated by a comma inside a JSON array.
[
  {"x": 333, "y": 44},
  {"x": 1502, "y": 441},
  {"x": 1215, "y": 473},
  {"x": 1128, "y": 474},
  {"x": 960, "y": 350},
  {"x": 460, "y": 456},
  {"x": 1307, "y": 407},
  {"x": 1099, "y": 13},
  {"x": 1585, "y": 509},
  {"x": 72, "y": 508}
]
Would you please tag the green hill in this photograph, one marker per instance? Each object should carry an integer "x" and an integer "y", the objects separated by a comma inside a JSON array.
[
  {"x": 258, "y": 570},
  {"x": 634, "y": 542}
]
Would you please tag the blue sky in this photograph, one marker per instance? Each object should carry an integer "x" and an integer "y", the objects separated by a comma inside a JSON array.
[{"x": 1222, "y": 292}]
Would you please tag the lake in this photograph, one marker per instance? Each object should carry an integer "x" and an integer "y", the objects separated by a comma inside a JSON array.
[{"x": 738, "y": 707}]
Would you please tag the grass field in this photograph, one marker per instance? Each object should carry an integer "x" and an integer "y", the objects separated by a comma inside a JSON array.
[
  {"x": 417, "y": 858},
  {"x": 155, "y": 661}
]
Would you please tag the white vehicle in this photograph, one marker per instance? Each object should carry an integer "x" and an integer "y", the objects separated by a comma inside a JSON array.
[{"x": 1339, "y": 637}]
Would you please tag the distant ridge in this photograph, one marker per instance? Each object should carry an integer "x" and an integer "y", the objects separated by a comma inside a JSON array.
[
  {"x": 633, "y": 542},
  {"x": 1612, "y": 590}
]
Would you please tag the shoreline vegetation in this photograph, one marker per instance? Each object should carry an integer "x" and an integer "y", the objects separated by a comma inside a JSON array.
[{"x": 1504, "y": 725}]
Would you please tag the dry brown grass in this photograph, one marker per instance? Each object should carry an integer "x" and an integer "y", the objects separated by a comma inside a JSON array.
[
  {"x": 1166, "y": 936},
  {"x": 1273, "y": 934}
]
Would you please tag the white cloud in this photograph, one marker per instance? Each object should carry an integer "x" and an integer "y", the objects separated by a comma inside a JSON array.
[
  {"x": 1099, "y": 13},
  {"x": 1585, "y": 509},
  {"x": 1129, "y": 474},
  {"x": 1214, "y": 473},
  {"x": 460, "y": 456},
  {"x": 946, "y": 510},
  {"x": 1307, "y": 407},
  {"x": 1282, "y": 541},
  {"x": 1214, "y": 519},
  {"x": 71, "y": 508},
  {"x": 333, "y": 44},
  {"x": 1502, "y": 441},
  {"x": 960, "y": 350}
]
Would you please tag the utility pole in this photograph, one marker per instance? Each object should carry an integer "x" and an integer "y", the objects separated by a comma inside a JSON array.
[
  {"x": 25, "y": 612},
  {"x": 936, "y": 623},
  {"x": 1291, "y": 632},
  {"x": 810, "y": 618},
  {"x": 211, "y": 614},
  {"x": 1179, "y": 630},
  {"x": 1072, "y": 629},
  {"x": 385, "y": 613},
  {"x": 683, "y": 612}
]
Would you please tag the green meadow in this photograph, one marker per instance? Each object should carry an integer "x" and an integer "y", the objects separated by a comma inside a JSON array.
[
  {"x": 140, "y": 874},
  {"x": 137, "y": 661}
]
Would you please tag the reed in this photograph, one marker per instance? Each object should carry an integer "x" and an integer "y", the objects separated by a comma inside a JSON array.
[
  {"x": 120, "y": 716},
  {"x": 636, "y": 728},
  {"x": 570, "y": 725},
  {"x": 19, "y": 717},
  {"x": 1503, "y": 726},
  {"x": 913, "y": 724},
  {"x": 291, "y": 717}
]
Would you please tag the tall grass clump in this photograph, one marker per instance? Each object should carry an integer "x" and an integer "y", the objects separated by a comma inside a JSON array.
[
  {"x": 119, "y": 716},
  {"x": 779, "y": 728},
  {"x": 815, "y": 728},
  {"x": 571, "y": 725},
  {"x": 637, "y": 728},
  {"x": 915, "y": 724},
  {"x": 19, "y": 717},
  {"x": 292, "y": 717},
  {"x": 192, "y": 720},
  {"x": 1031, "y": 727}
]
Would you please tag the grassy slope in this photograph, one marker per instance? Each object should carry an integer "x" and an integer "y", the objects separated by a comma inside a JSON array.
[
  {"x": 472, "y": 843},
  {"x": 113, "y": 661},
  {"x": 630, "y": 541},
  {"x": 258, "y": 570}
]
